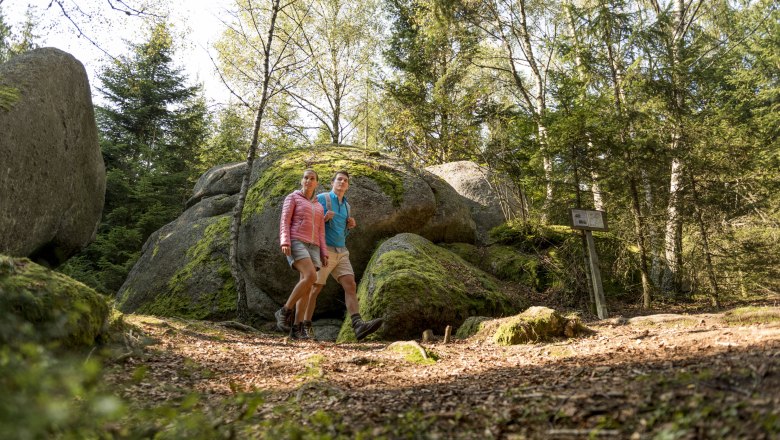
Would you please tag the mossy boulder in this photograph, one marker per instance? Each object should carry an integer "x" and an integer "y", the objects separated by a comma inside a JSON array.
[
  {"x": 185, "y": 263},
  {"x": 415, "y": 285},
  {"x": 536, "y": 324},
  {"x": 183, "y": 270},
  {"x": 40, "y": 305}
]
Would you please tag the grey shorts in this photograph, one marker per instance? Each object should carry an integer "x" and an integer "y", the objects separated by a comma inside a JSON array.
[
  {"x": 338, "y": 265},
  {"x": 300, "y": 250}
]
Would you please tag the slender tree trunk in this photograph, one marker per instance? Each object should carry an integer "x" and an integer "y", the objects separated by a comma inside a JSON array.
[
  {"x": 242, "y": 306},
  {"x": 652, "y": 232},
  {"x": 713, "y": 281},
  {"x": 640, "y": 234}
]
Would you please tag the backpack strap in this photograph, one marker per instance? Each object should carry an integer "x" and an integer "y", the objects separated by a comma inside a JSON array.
[{"x": 329, "y": 206}]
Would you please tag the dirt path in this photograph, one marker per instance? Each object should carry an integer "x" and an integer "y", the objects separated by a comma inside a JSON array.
[{"x": 662, "y": 376}]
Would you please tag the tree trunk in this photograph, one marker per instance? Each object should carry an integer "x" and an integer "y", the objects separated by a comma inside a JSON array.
[{"x": 671, "y": 277}]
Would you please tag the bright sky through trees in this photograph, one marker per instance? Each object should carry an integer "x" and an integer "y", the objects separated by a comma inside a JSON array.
[{"x": 196, "y": 23}]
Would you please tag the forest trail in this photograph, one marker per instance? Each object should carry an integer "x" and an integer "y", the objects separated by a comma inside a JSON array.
[{"x": 658, "y": 376}]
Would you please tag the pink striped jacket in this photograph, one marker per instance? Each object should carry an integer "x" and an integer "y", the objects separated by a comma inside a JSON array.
[{"x": 304, "y": 220}]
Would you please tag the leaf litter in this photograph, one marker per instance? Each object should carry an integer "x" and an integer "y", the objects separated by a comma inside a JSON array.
[{"x": 659, "y": 376}]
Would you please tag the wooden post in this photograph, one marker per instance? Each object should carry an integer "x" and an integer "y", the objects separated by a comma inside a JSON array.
[
  {"x": 598, "y": 288},
  {"x": 447, "y": 334}
]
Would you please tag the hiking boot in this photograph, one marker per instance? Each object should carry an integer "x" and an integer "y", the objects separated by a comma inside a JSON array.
[
  {"x": 284, "y": 319},
  {"x": 364, "y": 328},
  {"x": 297, "y": 331},
  {"x": 308, "y": 330}
]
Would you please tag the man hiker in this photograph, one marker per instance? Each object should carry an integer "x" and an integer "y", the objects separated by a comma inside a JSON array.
[{"x": 338, "y": 223}]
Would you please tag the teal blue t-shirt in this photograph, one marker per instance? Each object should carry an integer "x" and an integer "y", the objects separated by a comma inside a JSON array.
[{"x": 336, "y": 229}]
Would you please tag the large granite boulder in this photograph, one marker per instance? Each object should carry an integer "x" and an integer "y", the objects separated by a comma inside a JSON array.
[
  {"x": 415, "y": 285},
  {"x": 52, "y": 177},
  {"x": 492, "y": 198},
  {"x": 40, "y": 305},
  {"x": 184, "y": 269}
]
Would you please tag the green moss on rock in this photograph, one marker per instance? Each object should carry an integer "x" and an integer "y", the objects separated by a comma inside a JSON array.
[
  {"x": 414, "y": 352},
  {"x": 537, "y": 324},
  {"x": 471, "y": 326},
  {"x": 283, "y": 173},
  {"x": 204, "y": 254},
  {"x": 415, "y": 285},
  {"x": 40, "y": 305}
]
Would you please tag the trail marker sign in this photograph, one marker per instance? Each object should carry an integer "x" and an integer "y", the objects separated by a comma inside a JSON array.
[
  {"x": 588, "y": 219},
  {"x": 591, "y": 220}
]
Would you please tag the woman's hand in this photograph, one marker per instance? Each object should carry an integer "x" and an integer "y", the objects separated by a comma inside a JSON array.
[
  {"x": 324, "y": 261},
  {"x": 286, "y": 249}
]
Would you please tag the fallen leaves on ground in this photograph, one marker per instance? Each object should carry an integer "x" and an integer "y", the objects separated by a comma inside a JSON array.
[{"x": 668, "y": 376}]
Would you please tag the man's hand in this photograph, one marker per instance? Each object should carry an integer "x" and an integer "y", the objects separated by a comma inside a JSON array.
[
  {"x": 351, "y": 223},
  {"x": 329, "y": 215},
  {"x": 286, "y": 249}
]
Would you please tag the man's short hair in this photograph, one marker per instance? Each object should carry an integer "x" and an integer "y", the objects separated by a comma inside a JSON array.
[{"x": 344, "y": 172}]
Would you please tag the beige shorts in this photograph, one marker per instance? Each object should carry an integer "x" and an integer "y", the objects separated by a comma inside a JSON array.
[{"x": 338, "y": 265}]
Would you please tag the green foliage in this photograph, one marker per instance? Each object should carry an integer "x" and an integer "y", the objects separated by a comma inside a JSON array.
[
  {"x": 550, "y": 259},
  {"x": 434, "y": 97},
  {"x": 14, "y": 43},
  {"x": 230, "y": 140},
  {"x": 45, "y": 396}
]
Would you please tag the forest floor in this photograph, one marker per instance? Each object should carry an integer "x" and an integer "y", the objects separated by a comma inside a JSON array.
[{"x": 669, "y": 376}]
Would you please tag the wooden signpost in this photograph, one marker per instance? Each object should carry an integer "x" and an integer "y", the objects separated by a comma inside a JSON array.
[{"x": 589, "y": 220}]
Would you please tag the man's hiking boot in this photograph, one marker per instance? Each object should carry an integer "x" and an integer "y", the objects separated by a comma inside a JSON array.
[
  {"x": 284, "y": 319},
  {"x": 364, "y": 328},
  {"x": 308, "y": 330}
]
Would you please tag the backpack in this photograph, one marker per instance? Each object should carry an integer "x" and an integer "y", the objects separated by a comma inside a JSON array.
[{"x": 330, "y": 207}]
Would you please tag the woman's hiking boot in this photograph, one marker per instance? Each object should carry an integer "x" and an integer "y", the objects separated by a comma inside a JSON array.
[
  {"x": 284, "y": 319},
  {"x": 308, "y": 330},
  {"x": 297, "y": 331},
  {"x": 364, "y": 328}
]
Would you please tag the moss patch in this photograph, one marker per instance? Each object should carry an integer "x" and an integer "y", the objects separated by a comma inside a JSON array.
[
  {"x": 471, "y": 326},
  {"x": 40, "y": 305},
  {"x": 203, "y": 256},
  {"x": 415, "y": 285},
  {"x": 537, "y": 324},
  {"x": 414, "y": 352}
]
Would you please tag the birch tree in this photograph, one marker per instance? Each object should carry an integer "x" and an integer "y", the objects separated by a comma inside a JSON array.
[{"x": 256, "y": 58}]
